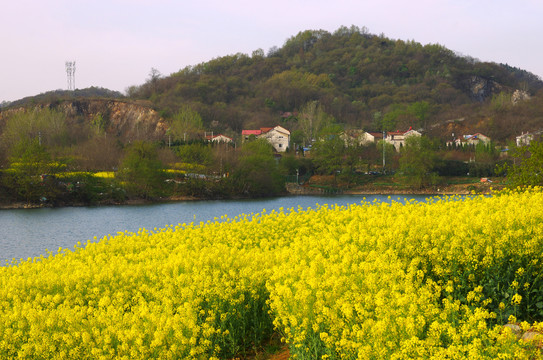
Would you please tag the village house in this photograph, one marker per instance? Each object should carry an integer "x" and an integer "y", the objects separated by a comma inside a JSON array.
[
  {"x": 473, "y": 139},
  {"x": 360, "y": 137},
  {"x": 277, "y": 136},
  {"x": 524, "y": 139},
  {"x": 219, "y": 138},
  {"x": 397, "y": 138}
]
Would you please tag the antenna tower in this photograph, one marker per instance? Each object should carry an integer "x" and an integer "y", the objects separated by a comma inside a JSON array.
[{"x": 70, "y": 71}]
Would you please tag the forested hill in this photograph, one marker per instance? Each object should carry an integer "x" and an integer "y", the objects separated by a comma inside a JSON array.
[{"x": 359, "y": 79}]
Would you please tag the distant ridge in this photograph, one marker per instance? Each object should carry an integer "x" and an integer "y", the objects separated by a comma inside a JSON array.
[{"x": 58, "y": 95}]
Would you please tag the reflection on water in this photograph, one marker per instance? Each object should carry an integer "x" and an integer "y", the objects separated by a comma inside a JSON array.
[{"x": 28, "y": 233}]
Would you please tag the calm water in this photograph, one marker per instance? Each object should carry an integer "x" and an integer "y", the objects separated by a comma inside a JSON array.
[{"x": 28, "y": 233}]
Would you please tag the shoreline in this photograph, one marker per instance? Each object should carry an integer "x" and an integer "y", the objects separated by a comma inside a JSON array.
[{"x": 448, "y": 190}]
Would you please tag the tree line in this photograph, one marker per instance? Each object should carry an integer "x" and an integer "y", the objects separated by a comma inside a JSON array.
[{"x": 43, "y": 162}]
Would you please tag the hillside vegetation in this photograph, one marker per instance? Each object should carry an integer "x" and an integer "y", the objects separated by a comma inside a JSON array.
[
  {"x": 361, "y": 80},
  {"x": 317, "y": 85}
]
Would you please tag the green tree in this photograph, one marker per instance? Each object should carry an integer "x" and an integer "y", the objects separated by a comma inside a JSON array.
[
  {"x": 328, "y": 152},
  {"x": 257, "y": 172},
  {"x": 421, "y": 110},
  {"x": 418, "y": 158},
  {"x": 312, "y": 119},
  {"x": 48, "y": 127},
  {"x": 197, "y": 153},
  {"x": 297, "y": 138},
  {"x": 142, "y": 171},
  {"x": 31, "y": 172},
  {"x": 186, "y": 124},
  {"x": 527, "y": 166}
]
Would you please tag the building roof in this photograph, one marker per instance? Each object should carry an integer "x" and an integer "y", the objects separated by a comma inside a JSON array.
[
  {"x": 211, "y": 137},
  {"x": 378, "y": 135},
  {"x": 251, "y": 132},
  {"x": 264, "y": 130}
]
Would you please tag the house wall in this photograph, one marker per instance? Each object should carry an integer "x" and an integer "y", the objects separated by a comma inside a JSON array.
[
  {"x": 398, "y": 140},
  {"x": 279, "y": 140}
]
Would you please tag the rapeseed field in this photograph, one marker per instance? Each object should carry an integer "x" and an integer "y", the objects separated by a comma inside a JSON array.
[{"x": 430, "y": 280}]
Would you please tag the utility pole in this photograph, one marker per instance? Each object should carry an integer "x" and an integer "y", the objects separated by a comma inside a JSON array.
[{"x": 384, "y": 148}]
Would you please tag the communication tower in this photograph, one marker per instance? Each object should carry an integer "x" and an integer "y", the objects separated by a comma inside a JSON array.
[{"x": 70, "y": 71}]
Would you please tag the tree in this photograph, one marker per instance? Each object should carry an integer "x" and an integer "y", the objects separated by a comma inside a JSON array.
[
  {"x": 312, "y": 120},
  {"x": 31, "y": 172},
  {"x": 186, "y": 122},
  {"x": 196, "y": 153},
  {"x": 527, "y": 166},
  {"x": 421, "y": 110},
  {"x": 141, "y": 170},
  {"x": 154, "y": 75},
  {"x": 48, "y": 127},
  {"x": 257, "y": 172},
  {"x": 417, "y": 161},
  {"x": 329, "y": 150}
]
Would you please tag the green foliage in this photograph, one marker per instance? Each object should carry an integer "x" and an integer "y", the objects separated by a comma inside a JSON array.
[
  {"x": 312, "y": 120},
  {"x": 185, "y": 122},
  {"x": 196, "y": 153},
  {"x": 257, "y": 173},
  {"x": 47, "y": 127},
  {"x": 86, "y": 188},
  {"x": 100, "y": 123},
  {"x": 141, "y": 170},
  {"x": 351, "y": 73},
  {"x": 31, "y": 173},
  {"x": 328, "y": 150},
  {"x": 418, "y": 160},
  {"x": 452, "y": 168},
  {"x": 527, "y": 166}
]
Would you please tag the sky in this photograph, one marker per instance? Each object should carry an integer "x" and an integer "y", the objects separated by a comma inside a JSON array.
[{"x": 116, "y": 43}]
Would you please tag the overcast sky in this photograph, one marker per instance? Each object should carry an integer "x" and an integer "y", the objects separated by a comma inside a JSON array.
[{"x": 115, "y": 43}]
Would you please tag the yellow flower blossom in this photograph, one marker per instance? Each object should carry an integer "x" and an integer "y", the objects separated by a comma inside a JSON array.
[{"x": 382, "y": 281}]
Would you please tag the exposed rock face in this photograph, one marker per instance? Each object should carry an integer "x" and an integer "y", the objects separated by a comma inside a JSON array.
[
  {"x": 126, "y": 119},
  {"x": 481, "y": 88},
  {"x": 519, "y": 95}
]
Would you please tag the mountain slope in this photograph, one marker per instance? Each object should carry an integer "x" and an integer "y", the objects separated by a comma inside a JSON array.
[{"x": 362, "y": 80}]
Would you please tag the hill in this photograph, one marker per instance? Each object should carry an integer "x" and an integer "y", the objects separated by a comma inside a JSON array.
[
  {"x": 358, "y": 79},
  {"x": 56, "y": 96},
  {"x": 316, "y": 81},
  {"x": 361, "y": 80}
]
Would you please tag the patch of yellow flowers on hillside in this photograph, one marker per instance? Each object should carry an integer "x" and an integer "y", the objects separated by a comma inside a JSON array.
[{"x": 370, "y": 281}]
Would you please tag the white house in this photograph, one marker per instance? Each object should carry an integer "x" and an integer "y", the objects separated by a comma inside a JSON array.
[
  {"x": 397, "y": 138},
  {"x": 277, "y": 136},
  {"x": 473, "y": 139},
  {"x": 219, "y": 138},
  {"x": 360, "y": 137},
  {"x": 524, "y": 139}
]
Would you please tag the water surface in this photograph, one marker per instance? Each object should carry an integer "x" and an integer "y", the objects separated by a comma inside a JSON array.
[{"x": 28, "y": 233}]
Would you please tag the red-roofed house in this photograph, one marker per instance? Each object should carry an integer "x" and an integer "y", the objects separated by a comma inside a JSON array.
[
  {"x": 278, "y": 136},
  {"x": 246, "y": 133}
]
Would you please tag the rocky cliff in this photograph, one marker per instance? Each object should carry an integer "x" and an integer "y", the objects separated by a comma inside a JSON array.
[{"x": 128, "y": 120}]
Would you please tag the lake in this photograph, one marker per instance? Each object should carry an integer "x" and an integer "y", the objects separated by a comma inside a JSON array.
[{"x": 28, "y": 233}]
